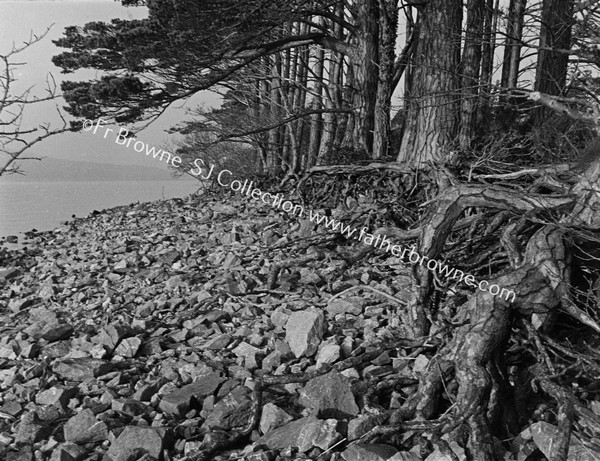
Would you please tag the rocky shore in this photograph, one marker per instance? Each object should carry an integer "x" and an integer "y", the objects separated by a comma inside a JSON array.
[{"x": 194, "y": 329}]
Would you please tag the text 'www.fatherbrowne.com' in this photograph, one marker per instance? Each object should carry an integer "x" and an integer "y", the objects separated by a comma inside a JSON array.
[{"x": 225, "y": 179}]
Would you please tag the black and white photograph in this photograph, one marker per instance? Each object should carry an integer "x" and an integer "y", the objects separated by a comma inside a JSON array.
[{"x": 329, "y": 230}]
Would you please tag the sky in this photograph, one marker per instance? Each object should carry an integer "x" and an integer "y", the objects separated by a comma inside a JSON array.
[{"x": 18, "y": 20}]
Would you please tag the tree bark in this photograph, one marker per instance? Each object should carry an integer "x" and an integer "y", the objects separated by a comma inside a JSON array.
[
  {"x": 555, "y": 33},
  {"x": 434, "y": 96},
  {"x": 487, "y": 59},
  {"x": 316, "y": 121},
  {"x": 512, "y": 44},
  {"x": 365, "y": 61},
  {"x": 388, "y": 14},
  {"x": 471, "y": 61}
]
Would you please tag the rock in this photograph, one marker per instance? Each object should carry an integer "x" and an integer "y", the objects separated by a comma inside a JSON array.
[
  {"x": 146, "y": 391},
  {"x": 304, "y": 331},
  {"x": 350, "y": 305},
  {"x": 405, "y": 456},
  {"x": 248, "y": 354},
  {"x": 328, "y": 353},
  {"x": 437, "y": 455},
  {"x": 234, "y": 410},
  {"x": 7, "y": 352},
  {"x": 329, "y": 396},
  {"x": 111, "y": 335},
  {"x": 58, "y": 332},
  {"x": 272, "y": 361},
  {"x": 179, "y": 402},
  {"x": 363, "y": 424},
  {"x": 7, "y": 376},
  {"x": 11, "y": 408},
  {"x": 58, "y": 396},
  {"x": 135, "y": 441},
  {"x": 420, "y": 364},
  {"x": 129, "y": 406},
  {"x": 16, "y": 305},
  {"x": 374, "y": 371},
  {"x": 81, "y": 369},
  {"x": 85, "y": 428},
  {"x": 304, "y": 433},
  {"x": 12, "y": 239},
  {"x": 272, "y": 417},
  {"x": 169, "y": 257},
  {"x": 128, "y": 347},
  {"x": 31, "y": 429},
  {"x": 69, "y": 452},
  {"x": 280, "y": 316},
  {"x": 24, "y": 454},
  {"x": 363, "y": 452},
  {"x": 544, "y": 434},
  {"x": 219, "y": 342},
  {"x": 10, "y": 273}
]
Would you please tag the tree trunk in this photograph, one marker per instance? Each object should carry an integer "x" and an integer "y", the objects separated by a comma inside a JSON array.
[
  {"x": 471, "y": 61},
  {"x": 487, "y": 59},
  {"x": 512, "y": 44},
  {"x": 388, "y": 14},
  {"x": 365, "y": 61},
  {"x": 434, "y": 96},
  {"x": 316, "y": 120},
  {"x": 555, "y": 33}
]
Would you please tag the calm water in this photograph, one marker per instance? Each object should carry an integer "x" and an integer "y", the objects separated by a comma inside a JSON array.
[{"x": 43, "y": 205}]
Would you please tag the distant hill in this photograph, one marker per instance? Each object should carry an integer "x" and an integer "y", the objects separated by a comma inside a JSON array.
[{"x": 51, "y": 169}]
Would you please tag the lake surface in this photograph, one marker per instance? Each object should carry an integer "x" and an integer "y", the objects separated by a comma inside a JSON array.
[{"x": 44, "y": 205}]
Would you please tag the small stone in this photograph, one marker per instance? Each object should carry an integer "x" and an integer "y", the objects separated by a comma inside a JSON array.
[
  {"x": 330, "y": 396},
  {"x": 273, "y": 417},
  {"x": 58, "y": 332},
  {"x": 136, "y": 441},
  {"x": 362, "y": 452},
  {"x": 31, "y": 429},
  {"x": 169, "y": 257},
  {"x": 81, "y": 369},
  {"x": 129, "y": 406},
  {"x": 24, "y": 454},
  {"x": 383, "y": 359},
  {"x": 58, "y": 396},
  {"x": 420, "y": 364},
  {"x": 219, "y": 343},
  {"x": 179, "y": 402},
  {"x": 352, "y": 305},
  {"x": 10, "y": 273},
  {"x": 374, "y": 371},
  {"x": 11, "y": 407},
  {"x": 7, "y": 352},
  {"x": 69, "y": 452},
  {"x": 192, "y": 448},
  {"x": 147, "y": 391},
  {"x": 248, "y": 354},
  {"x": 272, "y": 361},
  {"x": 17, "y": 305},
  {"x": 85, "y": 428},
  {"x": 234, "y": 410},
  {"x": 304, "y": 331},
  {"x": 304, "y": 434},
  {"x": 328, "y": 353},
  {"x": 111, "y": 335},
  {"x": 544, "y": 436},
  {"x": 360, "y": 426},
  {"x": 280, "y": 316},
  {"x": 128, "y": 347}
]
